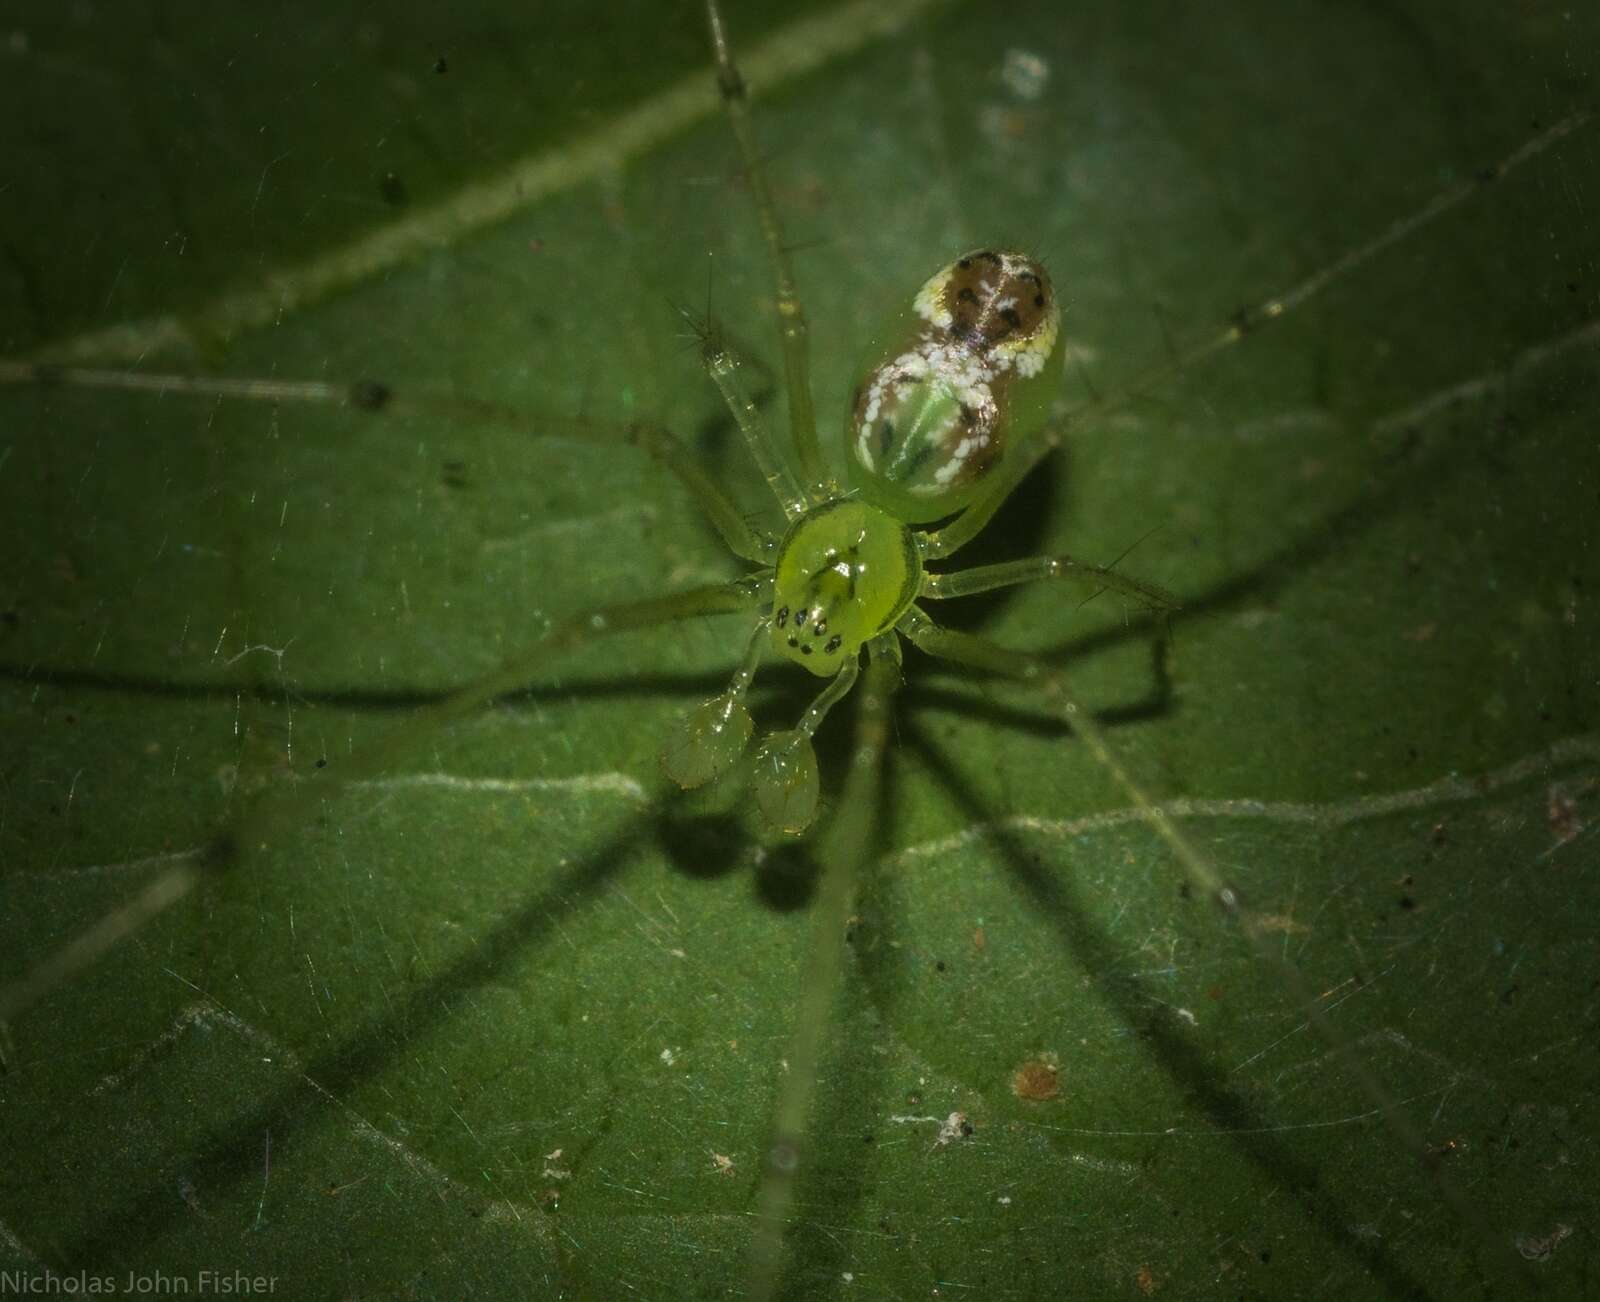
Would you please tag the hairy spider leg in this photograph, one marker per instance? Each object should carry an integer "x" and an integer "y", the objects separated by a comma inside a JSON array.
[
  {"x": 723, "y": 368},
  {"x": 1008, "y": 574},
  {"x": 792, "y": 328},
  {"x": 1253, "y": 319},
  {"x": 656, "y": 440}
]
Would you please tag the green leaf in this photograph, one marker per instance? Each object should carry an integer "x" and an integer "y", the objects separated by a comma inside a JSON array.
[{"x": 508, "y": 1017}]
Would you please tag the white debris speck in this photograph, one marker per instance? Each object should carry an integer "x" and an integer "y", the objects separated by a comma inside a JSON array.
[
  {"x": 1024, "y": 74},
  {"x": 951, "y": 1128}
]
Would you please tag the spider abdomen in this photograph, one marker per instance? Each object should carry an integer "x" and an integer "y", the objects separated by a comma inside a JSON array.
[{"x": 968, "y": 370}]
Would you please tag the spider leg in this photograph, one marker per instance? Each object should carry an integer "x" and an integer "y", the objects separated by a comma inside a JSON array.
[
  {"x": 980, "y": 653},
  {"x": 660, "y": 443},
  {"x": 281, "y": 811},
  {"x": 792, "y": 328},
  {"x": 1251, "y": 319},
  {"x": 723, "y": 367},
  {"x": 1006, "y": 574},
  {"x": 708, "y": 741},
  {"x": 786, "y": 762},
  {"x": 668, "y": 449},
  {"x": 845, "y": 848},
  {"x": 1248, "y": 321}
]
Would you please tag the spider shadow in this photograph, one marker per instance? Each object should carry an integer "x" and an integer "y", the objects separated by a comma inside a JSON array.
[
  {"x": 229, "y": 1154},
  {"x": 1089, "y": 947},
  {"x": 785, "y": 868},
  {"x": 971, "y": 694},
  {"x": 707, "y": 847}
]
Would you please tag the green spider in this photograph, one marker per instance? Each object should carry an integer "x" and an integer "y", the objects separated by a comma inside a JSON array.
[
  {"x": 943, "y": 424},
  {"x": 939, "y": 428},
  {"x": 931, "y": 451}
]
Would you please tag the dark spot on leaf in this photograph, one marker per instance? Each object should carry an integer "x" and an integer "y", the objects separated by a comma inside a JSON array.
[{"x": 370, "y": 395}]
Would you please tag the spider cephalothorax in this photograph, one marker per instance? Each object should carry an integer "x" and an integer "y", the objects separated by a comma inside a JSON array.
[{"x": 846, "y": 572}]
